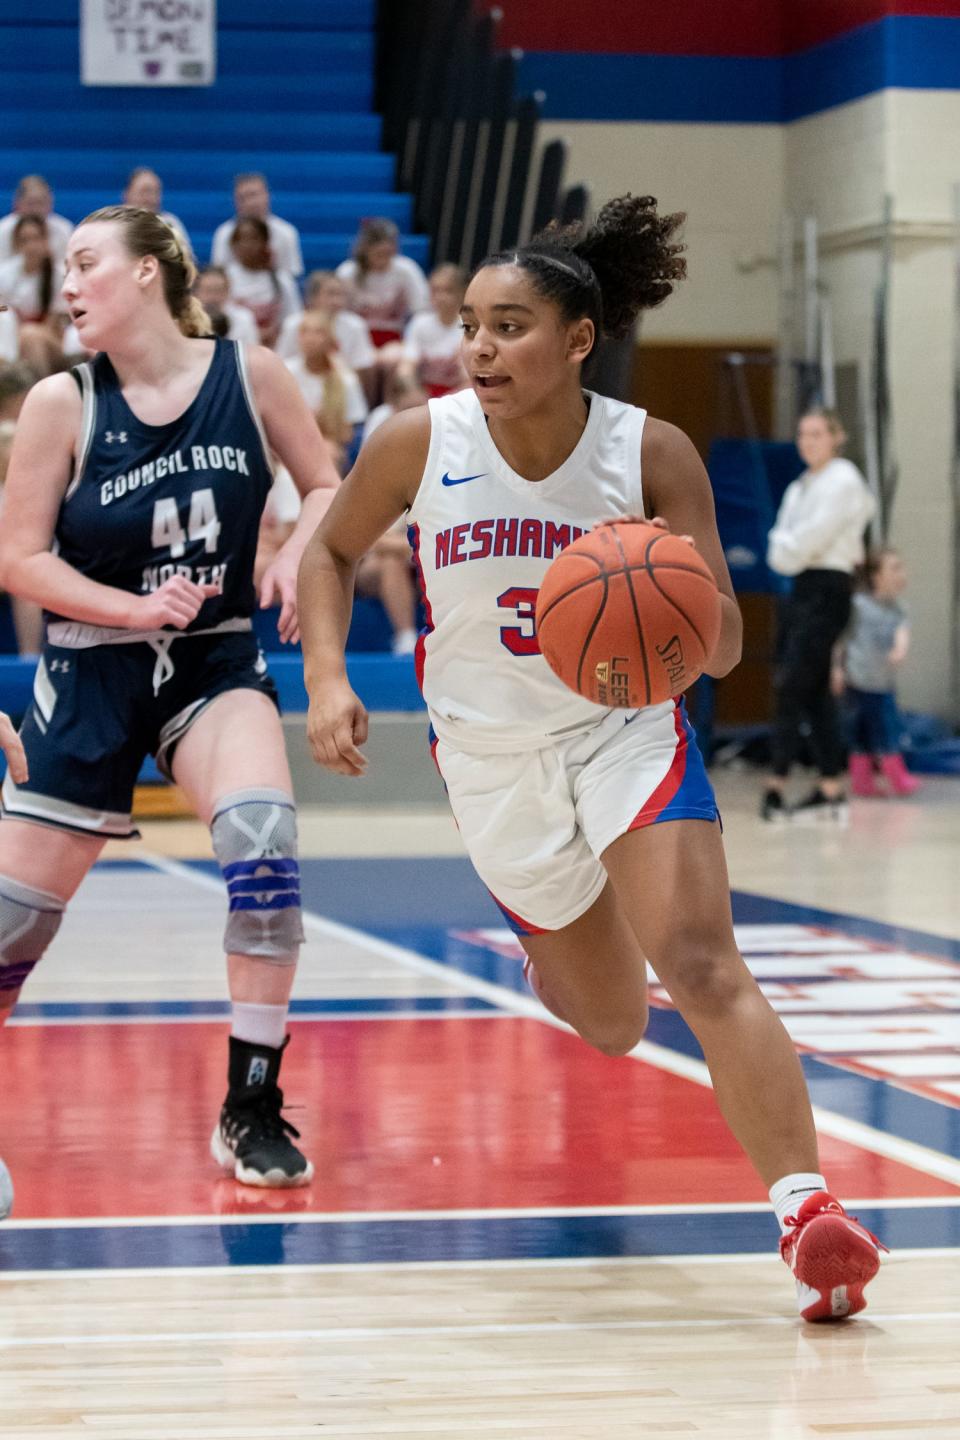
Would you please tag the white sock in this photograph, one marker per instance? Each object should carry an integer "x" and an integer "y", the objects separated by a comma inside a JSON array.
[
  {"x": 788, "y": 1194},
  {"x": 259, "y": 1024}
]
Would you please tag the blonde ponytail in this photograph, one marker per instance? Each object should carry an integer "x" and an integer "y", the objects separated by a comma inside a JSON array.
[{"x": 193, "y": 318}]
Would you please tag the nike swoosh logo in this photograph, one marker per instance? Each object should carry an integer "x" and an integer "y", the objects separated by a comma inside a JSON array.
[{"x": 461, "y": 479}]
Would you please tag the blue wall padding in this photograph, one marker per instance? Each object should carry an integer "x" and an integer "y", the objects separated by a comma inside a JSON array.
[
  {"x": 748, "y": 480},
  {"x": 383, "y": 682}
]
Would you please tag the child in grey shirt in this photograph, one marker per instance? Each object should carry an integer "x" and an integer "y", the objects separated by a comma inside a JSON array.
[{"x": 875, "y": 646}]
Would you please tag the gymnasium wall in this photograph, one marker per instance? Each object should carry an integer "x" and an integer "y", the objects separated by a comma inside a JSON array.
[
  {"x": 738, "y": 113},
  {"x": 695, "y": 102},
  {"x": 729, "y": 181}
]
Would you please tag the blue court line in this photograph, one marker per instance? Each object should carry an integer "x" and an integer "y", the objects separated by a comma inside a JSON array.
[
  {"x": 220, "y": 1009},
  {"x": 379, "y": 1242}
]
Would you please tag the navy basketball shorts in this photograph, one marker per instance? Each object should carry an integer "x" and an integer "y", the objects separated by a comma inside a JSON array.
[
  {"x": 97, "y": 713},
  {"x": 536, "y": 824}
]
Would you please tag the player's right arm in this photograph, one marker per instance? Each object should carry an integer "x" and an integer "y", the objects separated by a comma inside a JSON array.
[
  {"x": 41, "y": 464},
  {"x": 379, "y": 488}
]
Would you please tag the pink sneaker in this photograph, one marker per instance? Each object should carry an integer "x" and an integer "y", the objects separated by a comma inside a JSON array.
[
  {"x": 862, "y": 779},
  {"x": 898, "y": 777},
  {"x": 832, "y": 1257}
]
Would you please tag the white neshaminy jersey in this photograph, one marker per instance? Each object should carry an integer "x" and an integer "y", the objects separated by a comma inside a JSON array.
[{"x": 483, "y": 538}]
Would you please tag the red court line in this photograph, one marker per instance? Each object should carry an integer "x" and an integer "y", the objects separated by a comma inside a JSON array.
[{"x": 406, "y": 1114}]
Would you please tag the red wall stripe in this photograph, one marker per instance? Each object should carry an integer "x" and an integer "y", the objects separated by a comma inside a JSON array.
[{"x": 693, "y": 27}]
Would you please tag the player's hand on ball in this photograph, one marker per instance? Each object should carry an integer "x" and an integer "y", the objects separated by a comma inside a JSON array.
[
  {"x": 176, "y": 602},
  {"x": 657, "y": 521},
  {"x": 337, "y": 723},
  {"x": 13, "y": 750}
]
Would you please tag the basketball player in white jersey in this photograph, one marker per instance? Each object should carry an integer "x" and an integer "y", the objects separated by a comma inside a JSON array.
[{"x": 560, "y": 803}]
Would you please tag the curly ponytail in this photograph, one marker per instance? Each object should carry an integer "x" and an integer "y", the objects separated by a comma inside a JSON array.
[
  {"x": 146, "y": 234},
  {"x": 625, "y": 262}
]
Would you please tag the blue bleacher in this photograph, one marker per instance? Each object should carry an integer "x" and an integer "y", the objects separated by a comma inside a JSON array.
[
  {"x": 349, "y": 89},
  {"x": 203, "y": 168},
  {"x": 331, "y": 210},
  {"x": 54, "y": 49},
  {"x": 293, "y": 98},
  {"x": 180, "y": 132}
]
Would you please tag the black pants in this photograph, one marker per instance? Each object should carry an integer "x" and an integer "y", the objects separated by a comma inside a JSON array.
[{"x": 812, "y": 620}]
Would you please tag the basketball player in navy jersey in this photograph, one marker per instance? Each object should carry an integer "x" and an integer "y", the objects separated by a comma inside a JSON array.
[
  {"x": 560, "y": 803},
  {"x": 132, "y": 508}
]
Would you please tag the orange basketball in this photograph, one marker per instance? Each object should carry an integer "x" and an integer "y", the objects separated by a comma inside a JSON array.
[{"x": 627, "y": 615}]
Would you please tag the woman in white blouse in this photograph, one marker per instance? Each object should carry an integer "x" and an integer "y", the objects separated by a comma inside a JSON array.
[{"x": 818, "y": 540}]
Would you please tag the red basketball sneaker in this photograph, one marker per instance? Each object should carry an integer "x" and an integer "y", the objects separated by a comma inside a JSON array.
[{"x": 832, "y": 1256}]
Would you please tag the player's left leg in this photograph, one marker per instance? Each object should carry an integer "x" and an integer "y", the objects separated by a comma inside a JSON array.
[
  {"x": 232, "y": 765},
  {"x": 671, "y": 880}
]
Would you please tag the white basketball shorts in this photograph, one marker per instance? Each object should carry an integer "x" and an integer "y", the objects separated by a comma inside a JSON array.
[{"x": 536, "y": 823}]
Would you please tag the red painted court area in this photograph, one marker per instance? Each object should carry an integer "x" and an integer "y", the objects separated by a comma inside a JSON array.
[{"x": 397, "y": 1115}]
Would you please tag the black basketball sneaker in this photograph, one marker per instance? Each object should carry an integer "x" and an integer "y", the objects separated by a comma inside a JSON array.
[
  {"x": 252, "y": 1138},
  {"x": 820, "y": 809}
]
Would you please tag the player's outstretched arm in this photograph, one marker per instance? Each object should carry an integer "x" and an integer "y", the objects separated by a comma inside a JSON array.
[
  {"x": 41, "y": 464},
  {"x": 374, "y": 495}
]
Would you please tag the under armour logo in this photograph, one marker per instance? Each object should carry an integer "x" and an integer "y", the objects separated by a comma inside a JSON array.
[
  {"x": 120, "y": 435},
  {"x": 63, "y": 665}
]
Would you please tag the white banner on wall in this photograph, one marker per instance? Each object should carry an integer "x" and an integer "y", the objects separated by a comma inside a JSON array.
[{"x": 148, "y": 42}]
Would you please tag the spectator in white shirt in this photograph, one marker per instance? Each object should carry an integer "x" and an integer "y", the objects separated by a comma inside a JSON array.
[
  {"x": 251, "y": 200},
  {"x": 30, "y": 285},
  {"x": 212, "y": 289},
  {"x": 818, "y": 540},
  {"x": 144, "y": 190},
  {"x": 433, "y": 338},
  {"x": 326, "y": 291},
  {"x": 269, "y": 293},
  {"x": 33, "y": 196},
  {"x": 385, "y": 288},
  {"x": 330, "y": 388}
]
